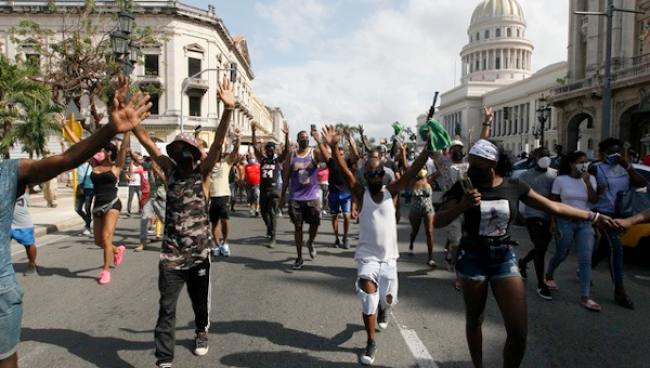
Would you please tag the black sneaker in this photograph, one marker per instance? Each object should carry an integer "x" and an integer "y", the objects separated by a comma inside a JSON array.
[
  {"x": 369, "y": 356},
  {"x": 523, "y": 270},
  {"x": 201, "y": 344},
  {"x": 544, "y": 292},
  {"x": 298, "y": 264},
  {"x": 382, "y": 318},
  {"x": 312, "y": 250},
  {"x": 337, "y": 243},
  {"x": 272, "y": 243}
]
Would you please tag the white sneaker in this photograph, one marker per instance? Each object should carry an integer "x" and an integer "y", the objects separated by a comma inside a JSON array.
[
  {"x": 225, "y": 250},
  {"x": 216, "y": 251},
  {"x": 252, "y": 212},
  {"x": 86, "y": 232}
]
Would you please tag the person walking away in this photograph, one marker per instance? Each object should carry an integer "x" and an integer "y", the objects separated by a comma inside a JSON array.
[
  {"x": 422, "y": 211},
  {"x": 134, "y": 175},
  {"x": 270, "y": 184},
  {"x": 377, "y": 251},
  {"x": 15, "y": 176},
  {"x": 220, "y": 195},
  {"x": 185, "y": 254},
  {"x": 485, "y": 256},
  {"x": 85, "y": 196},
  {"x": 155, "y": 204},
  {"x": 577, "y": 188},
  {"x": 614, "y": 175},
  {"x": 50, "y": 188},
  {"x": 323, "y": 183},
  {"x": 301, "y": 178},
  {"x": 241, "y": 178},
  {"x": 540, "y": 179},
  {"x": 22, "y": 230},
  {"x": 252, "y": 170}
]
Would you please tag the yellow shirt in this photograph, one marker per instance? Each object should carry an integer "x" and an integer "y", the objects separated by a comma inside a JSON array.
[{"x": 219, "y": 186}]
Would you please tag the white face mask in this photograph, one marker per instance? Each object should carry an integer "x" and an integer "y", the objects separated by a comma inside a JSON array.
[
  {"x": 582, "y": 168},
  {"x": 544, "y": 162}
]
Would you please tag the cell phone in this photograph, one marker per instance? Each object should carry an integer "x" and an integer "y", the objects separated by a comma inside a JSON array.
[
  {"x": 198, "y": 128},
  {"x": 466, "y": 183},
  {"x": 313, "y": 127}
]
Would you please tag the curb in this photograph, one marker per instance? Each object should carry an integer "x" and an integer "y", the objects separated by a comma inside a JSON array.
[{"x": 42, "y": 230}]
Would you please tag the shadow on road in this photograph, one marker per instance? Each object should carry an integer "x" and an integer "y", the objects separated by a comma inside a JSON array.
[
  {"x": 282, "y": 359},
  {"x": 19, "y": 268},
  {"x": 101, "y": 352}
]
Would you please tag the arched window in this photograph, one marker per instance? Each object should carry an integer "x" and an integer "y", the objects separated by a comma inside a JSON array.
[
  {"x": 498, "y": 32},
  {"x": 590, "y": 144},
  {"x": 487, "y": 34},
  {"x": 509, "y": 32}
]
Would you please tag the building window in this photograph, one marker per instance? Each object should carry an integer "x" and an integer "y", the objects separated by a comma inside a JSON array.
[
  {"x": 193, "y": 66},
  {"x": 478, "y": 36},
  {"x": 509, "y": 32},
  {"x": 484, "y": 64},
  {"x": 34, "y": 59},
  {"x": 498, "y": 63},
  {"x": 590, "y": 144},
  {"x": 498, "y": 32},
  {"x": 195, "y": 106},
  {"x": 518, "y": 32},
  {"x": 487, "y": 34},
  {"x": 153, "y": 98},
  {"x": 151, "y": 65}
]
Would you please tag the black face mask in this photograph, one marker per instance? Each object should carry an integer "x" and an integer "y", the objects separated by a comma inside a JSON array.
[
  {"x": 375, "y": 188},
  {"x": 480, "y": 178},
  {"x": 457, "y": 156},
  {"x": 184, "y": 161},
  {"x": 303, "y": 143}
]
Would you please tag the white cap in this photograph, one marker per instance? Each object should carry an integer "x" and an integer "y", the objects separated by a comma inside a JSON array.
[{"x": 456, "y": 143}]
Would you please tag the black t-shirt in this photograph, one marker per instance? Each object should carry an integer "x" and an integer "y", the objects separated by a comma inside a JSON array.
[
  {"x": 498, "y": 208},
  {"x": 270, "y": 172},
  {"x": 336, "y": 182}
]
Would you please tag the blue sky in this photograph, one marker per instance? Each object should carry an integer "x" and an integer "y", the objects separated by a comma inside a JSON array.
[{"x": 368, "y": 62}]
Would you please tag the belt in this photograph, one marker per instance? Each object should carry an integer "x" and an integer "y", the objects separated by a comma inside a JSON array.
[{"x": 493, "y": 241}]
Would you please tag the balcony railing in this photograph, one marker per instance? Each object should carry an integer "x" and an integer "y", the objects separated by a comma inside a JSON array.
[{"x": 196, "y": 83}]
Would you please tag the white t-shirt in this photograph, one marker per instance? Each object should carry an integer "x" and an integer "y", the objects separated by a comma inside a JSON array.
[
  {"x": 572, "y": 191},
  {"x": 135, "y": 176}
]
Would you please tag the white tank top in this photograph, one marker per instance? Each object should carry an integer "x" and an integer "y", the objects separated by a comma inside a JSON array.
[{"x": 377, "y": 229}]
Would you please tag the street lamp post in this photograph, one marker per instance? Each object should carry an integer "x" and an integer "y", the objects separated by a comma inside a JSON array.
[
  {"x": 233, "y": 79},
  {"x": 607, "y": 85},
  {"x": 125, "y": 49},
  {"x": 543, "y": 113}
]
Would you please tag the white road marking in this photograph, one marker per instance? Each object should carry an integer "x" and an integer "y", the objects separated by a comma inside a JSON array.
[
  {"x": 419, "y": 351},
  {"x": 42, "y": 244}
]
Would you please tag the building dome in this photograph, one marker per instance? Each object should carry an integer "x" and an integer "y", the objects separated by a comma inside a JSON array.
[{"x": 495, "y": 10}]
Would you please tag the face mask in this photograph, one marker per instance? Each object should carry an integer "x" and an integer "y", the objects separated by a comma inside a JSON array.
[
  {"x": 457, "y": 156},
  {"x": 411, "y": 157},
  {"x": 303, "y": 143},
  {"x": 185, "y": 160},
  {"x": 252, "y": 161},
  {"x": 582, "y": 168},
  {"x": 480, "y": 178},
  {"x": 375, "y": 188},
  {"x": 322, "y": 165},
  {"x": 99, "y": 156},
  {"x": 422, "y": 173},
  {"x": 544, "y": 162},
  {"x": 612, "y": 159}
]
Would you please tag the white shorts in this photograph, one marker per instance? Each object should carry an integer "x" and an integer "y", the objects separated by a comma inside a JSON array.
[{"x": 383, "y": 274}]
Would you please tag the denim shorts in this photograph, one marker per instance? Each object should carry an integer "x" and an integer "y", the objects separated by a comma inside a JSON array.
[
  {"x": 340, "y": 203},
  {"x": 481, "y": 262},
  {"x": 11, "y": 314}
]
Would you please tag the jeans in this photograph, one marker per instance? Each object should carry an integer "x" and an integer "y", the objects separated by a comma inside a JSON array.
[
  {"x": 83, "y": 206},
  {"x": 151, "y": 206},
  {"x": 572, "y": 232},
  {"x": 170, "y": 284},
  {"x": 482, "y": 262},
  {"x": 610, "y": 245},
  {"x": 269, "y": 209},
  {"x": 134, "y": 189}
]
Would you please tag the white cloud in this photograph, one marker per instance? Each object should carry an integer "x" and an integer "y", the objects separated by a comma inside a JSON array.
[{"x": 389, "y": 66}]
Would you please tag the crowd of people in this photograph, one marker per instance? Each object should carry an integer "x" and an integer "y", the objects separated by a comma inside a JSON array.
[{"x": 193, "y": 188}]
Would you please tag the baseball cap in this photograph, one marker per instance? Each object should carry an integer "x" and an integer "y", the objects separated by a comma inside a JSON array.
[{"x": 184, "y": 138}]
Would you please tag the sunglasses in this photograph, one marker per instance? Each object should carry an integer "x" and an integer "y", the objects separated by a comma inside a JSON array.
[{"x": 375, "y": 173}]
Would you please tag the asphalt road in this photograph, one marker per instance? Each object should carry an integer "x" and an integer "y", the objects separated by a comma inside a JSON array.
[{"x": 266, "y": 315}]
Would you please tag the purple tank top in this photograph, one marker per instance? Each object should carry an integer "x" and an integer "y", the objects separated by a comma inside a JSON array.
[{"x": 304, "y": 178}]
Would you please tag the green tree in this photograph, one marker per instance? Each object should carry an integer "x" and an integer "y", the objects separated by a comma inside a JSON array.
[
  {"x": 36, "y": 124},
  {"x": 19, "y": 82}
]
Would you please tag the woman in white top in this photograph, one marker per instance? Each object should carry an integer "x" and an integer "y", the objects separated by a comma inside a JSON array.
[
  {"x": 377, "y": 250},
  {"x": 577, "y": 188}
]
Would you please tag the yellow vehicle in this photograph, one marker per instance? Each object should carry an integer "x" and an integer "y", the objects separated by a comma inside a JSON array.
[{"x": 636, "y": 234}]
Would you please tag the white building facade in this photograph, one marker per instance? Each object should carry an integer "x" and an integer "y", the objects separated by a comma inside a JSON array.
[{"x": 190, "y": 40}]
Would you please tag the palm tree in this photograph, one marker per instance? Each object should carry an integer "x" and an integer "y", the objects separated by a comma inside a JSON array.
[
  {"x": 18, "y": 82},
  {"x": 36, "y": 125}
]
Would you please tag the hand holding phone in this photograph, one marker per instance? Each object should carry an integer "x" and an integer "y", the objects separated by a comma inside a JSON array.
[{"x": 313, "y": 127}]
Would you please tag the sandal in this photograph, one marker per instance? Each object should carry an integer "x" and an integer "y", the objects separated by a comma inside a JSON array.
[
  {"x": 591, "y": 305},
  {"x": 457, "y": 285},
  {"x": 552, "y": 285}
]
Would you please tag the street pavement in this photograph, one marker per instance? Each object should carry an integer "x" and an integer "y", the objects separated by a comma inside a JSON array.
[{"x": 266, "y": 315}]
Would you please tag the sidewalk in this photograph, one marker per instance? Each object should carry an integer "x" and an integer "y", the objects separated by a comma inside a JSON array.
[{"x": 50, "y": 220}]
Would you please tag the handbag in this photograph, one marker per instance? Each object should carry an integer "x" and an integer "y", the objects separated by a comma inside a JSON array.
[{"x": 80, "y": 188}]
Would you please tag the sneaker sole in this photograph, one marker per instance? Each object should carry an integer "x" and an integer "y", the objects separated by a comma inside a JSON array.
[
  {"x": 201, "y": 353},
  {"x": 366, "y": 360}
]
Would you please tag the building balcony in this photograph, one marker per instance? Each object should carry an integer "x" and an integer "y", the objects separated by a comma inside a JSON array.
[
  {"x": 196, "y": 83},
  {"x": 149, "y": 79}
]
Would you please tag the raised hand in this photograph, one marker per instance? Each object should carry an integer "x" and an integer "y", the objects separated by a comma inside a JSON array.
[
  {"x": 60, "y": 119},
  {"x": 285, "y": 129},
  {"x": 237, "y": 131},
  {"x": 126, "y": 116},
  {"x": 331, "y": 136},
  {"x": 489, "y": 114},
  {"x": 314, "y": 133},
  {"x": 225, "y": 92}
]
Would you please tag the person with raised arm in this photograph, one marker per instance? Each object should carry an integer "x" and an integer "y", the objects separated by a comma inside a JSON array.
[
  {"x": 185, "y": 253},
  {"x": 377, "y": 251},
  {"x": 15, "y": 175},
  {"x": 270, "y": 187}
]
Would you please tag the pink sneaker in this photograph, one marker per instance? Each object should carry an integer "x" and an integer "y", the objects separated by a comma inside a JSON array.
[
  {"x": 104, "y": 278},
  {"x": 117, "y": 257}
]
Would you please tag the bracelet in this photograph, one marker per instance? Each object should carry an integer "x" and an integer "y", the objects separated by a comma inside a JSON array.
[
  {"x": 595, "y": 218},
  {"x": 231, "y": 108},
  {"x": 487, "y": 125}
]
